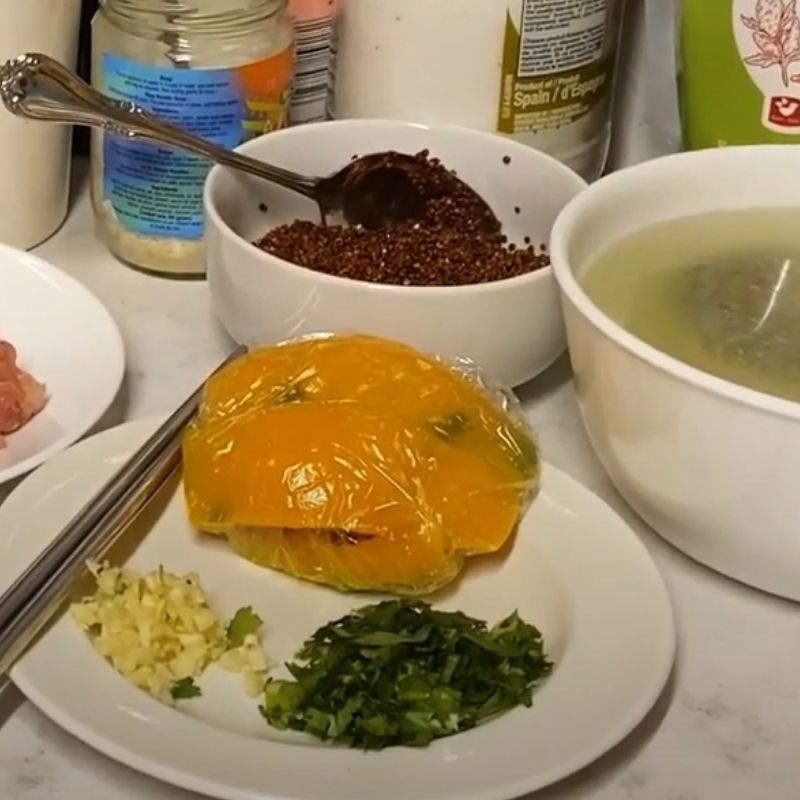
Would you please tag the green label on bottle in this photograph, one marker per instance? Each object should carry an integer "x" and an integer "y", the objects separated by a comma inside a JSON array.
[{"x": 739, "y": 78}]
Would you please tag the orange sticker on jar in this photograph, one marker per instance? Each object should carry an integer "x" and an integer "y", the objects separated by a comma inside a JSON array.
[{"x": 265, "y": 89}]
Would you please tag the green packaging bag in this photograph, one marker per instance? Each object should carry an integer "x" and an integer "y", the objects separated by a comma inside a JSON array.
[{"x": 739, "y": 72}]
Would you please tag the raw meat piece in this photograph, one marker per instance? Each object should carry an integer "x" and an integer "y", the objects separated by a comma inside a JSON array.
[{"x": 22, "y": 397}]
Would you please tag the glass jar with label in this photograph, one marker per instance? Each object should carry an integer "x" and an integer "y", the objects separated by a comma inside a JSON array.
[
  {"x": 540, "y": 71},
  {"x": 221, "y": 69}
]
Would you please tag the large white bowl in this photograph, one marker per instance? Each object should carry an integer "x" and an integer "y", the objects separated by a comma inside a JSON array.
[
  {"x": 513, "y": 328},
  {"x": 710, "y": 465}
]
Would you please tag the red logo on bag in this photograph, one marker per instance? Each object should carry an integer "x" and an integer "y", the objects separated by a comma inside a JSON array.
[{"x": 785, "y": 112}]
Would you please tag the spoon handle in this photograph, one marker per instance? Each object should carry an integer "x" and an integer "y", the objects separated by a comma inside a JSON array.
[{"x": 36, "y": 86}]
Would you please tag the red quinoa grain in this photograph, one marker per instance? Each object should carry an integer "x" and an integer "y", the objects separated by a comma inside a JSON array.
[{"x": 449, "y": 245}]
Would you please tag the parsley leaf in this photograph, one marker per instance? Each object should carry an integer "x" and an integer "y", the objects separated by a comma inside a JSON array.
[
  {"x": 185, "y": 689},
  {"x": 245, "y": 622},
  {"x": 403, "y": 673}
]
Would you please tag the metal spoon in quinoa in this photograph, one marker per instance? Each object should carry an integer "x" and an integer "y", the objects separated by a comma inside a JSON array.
[{"x": 373, "y": 191}]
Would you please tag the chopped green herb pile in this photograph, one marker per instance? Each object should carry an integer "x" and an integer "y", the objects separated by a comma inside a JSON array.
[
  {"x": 402, "y": 673},
  {"x": 185, "y": 689}
]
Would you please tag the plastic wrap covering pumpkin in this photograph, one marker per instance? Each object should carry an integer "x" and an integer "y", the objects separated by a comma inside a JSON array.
[{"x": 358, "y": 463}]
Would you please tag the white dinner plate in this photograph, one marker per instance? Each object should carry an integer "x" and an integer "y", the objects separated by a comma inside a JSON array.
[
  {"x": 576, "y": 570},
  {"x": 67, "y": 340}
]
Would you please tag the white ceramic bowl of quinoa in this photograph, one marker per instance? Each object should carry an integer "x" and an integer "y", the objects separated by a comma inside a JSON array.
[{"x": 512, "y": 328}]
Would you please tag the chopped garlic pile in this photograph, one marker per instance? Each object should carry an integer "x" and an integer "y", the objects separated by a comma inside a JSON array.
[{"x": 158, "y": 631}]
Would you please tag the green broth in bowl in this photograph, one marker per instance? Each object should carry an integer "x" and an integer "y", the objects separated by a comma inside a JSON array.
[{"x": 719, "y": 291}]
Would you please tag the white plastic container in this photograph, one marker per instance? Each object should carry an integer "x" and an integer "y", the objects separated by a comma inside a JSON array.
[
  {"x": 540, "y": 71},
  {"x": 35, "y": 158}
]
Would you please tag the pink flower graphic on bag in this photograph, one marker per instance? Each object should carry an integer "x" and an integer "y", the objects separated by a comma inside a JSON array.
[{"x": 776, "y": 33}]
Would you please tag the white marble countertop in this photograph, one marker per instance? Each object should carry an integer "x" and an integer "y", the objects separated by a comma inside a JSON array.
[{"x": 728, "y": 724}]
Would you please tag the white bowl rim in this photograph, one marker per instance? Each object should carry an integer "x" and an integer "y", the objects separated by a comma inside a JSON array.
[
  {"x": 213, "y": 214},
  {"x": 563, "y": 271}
]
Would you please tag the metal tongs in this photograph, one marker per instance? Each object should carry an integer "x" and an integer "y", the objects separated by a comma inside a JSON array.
[{"x": 36, "y": 596}]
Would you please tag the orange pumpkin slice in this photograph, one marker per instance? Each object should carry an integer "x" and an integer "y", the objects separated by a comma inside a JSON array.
[{"x": 356, "y": 462}]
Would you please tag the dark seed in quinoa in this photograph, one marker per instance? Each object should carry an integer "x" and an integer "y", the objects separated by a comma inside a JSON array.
[{"x": 450, "y": 244}]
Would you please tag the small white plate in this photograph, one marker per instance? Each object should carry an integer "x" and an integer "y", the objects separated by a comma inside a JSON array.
[
  {"x": 67, "y": 340},
  {"x": 576, "y": 570}
]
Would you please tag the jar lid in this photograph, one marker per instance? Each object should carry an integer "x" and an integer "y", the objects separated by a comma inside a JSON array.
[{"x": 195, "y": 16}]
